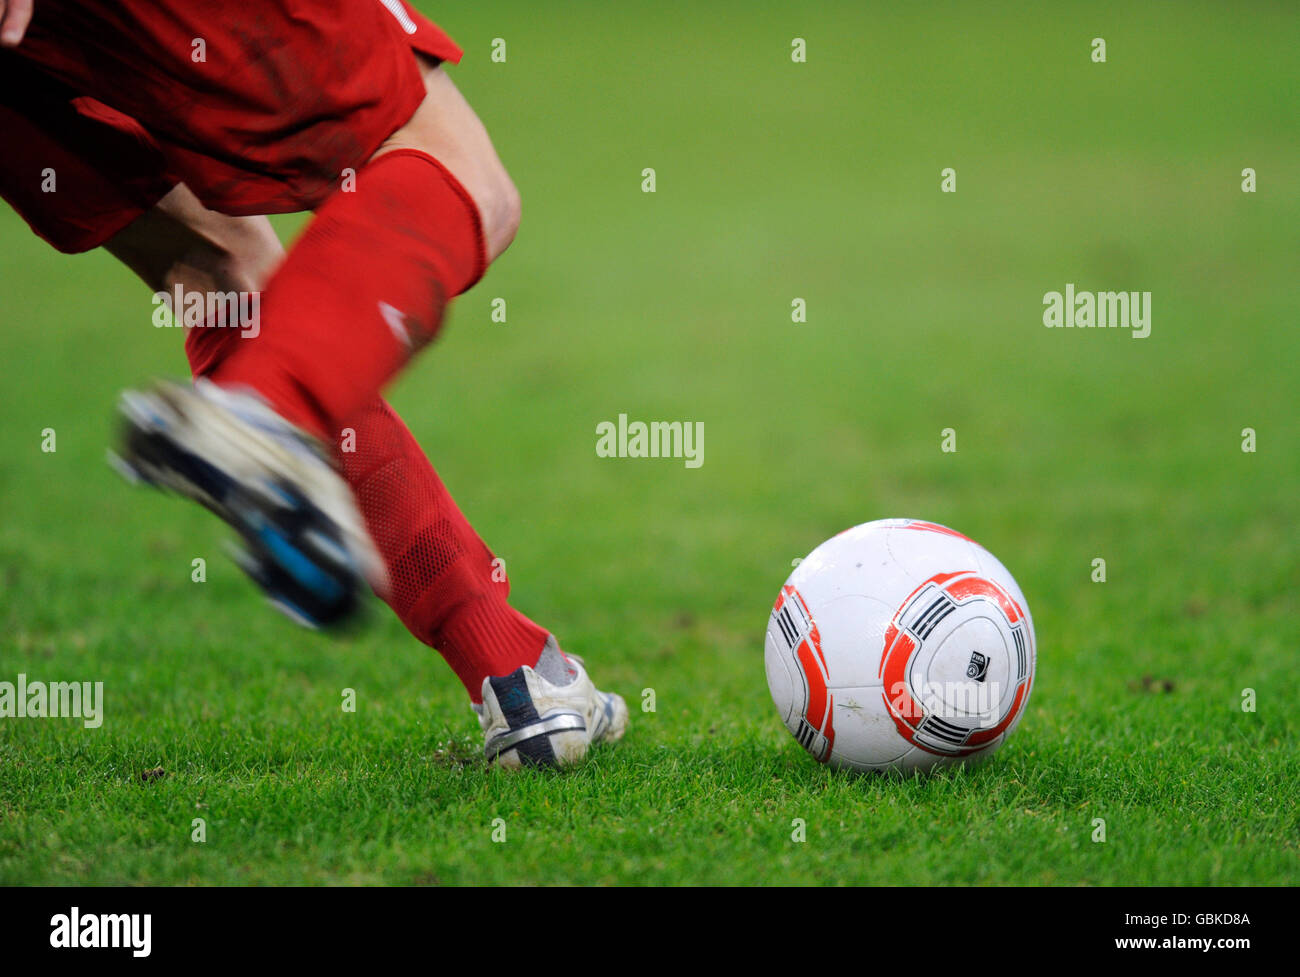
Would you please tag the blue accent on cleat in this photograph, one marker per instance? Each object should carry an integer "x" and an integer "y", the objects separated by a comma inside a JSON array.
[{"x": 298, "y": 565}]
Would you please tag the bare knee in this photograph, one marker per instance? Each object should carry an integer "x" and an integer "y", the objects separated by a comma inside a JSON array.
[
  {"x": 505, "y": 209},
  {"x": 252, "y": 248},
  {"x": 447, "y": 128},
  {"x": 180, "y": 242}
]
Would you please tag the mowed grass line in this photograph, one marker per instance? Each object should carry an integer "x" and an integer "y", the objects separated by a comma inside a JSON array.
[{"x": 775, "y": 181}]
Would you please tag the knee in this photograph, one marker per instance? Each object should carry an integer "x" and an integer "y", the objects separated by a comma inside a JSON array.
[
  {"x": 179, "y": 242},
  {"x": 253, "y": 251},
  {"x": 500, "y": 209},
  {"x": 236, "y": 254}
]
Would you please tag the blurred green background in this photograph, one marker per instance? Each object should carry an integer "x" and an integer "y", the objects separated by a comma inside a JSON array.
[{"x": 775, "y": 180}]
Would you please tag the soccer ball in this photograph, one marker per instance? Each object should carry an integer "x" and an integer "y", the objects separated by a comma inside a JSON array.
[{"x": 900, "y": 644}]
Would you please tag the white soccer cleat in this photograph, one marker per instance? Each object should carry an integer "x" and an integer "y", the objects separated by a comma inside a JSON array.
[
  {"x": 529, "y": 721},
  {"x": 303, "y": 539}
]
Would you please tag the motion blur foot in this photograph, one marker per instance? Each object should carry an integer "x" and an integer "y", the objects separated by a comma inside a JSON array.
[{"x": 303, "y": 541}]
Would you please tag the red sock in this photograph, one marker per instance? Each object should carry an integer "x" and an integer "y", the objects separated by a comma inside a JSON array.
[
  {"x": 445, "y": 584},
  {"x": 361, "y": 290}
]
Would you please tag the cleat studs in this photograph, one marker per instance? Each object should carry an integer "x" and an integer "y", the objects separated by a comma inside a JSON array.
[
  {"x": 124, "y": 468},
  {"x": 292, "y": 613},
  {"x": 242, "y": 558}
]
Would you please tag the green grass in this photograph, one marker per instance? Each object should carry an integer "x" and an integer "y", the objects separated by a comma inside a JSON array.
[{"x": 775, "y": 180}]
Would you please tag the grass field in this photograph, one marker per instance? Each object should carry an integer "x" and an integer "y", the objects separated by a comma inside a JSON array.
[{"x": 775, "y": 180}]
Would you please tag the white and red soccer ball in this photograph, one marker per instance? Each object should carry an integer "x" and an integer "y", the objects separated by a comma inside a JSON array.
[{"x": 900, "y": 644}]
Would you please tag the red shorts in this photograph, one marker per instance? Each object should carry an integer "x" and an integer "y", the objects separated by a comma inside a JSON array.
[{"x": 257, "y": 105}]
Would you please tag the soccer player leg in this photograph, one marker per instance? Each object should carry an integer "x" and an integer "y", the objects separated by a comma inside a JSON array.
[
  {"x": 367, "y": 284},
  {"x": 444, "y": 583},
  {"x": 536, "y": 705}
]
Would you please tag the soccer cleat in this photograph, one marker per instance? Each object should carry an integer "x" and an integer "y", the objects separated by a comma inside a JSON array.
[
  {"x": 529, "y": 721},
  {"x": 302, "y": 539}
]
